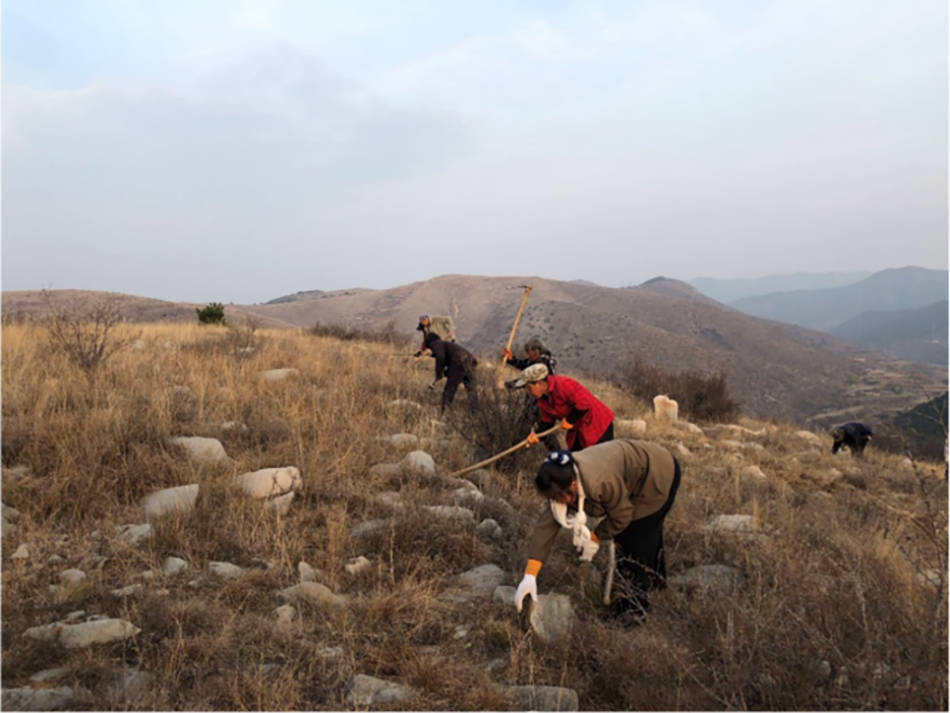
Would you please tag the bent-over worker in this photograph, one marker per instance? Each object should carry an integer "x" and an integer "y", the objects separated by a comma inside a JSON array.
[
  {"x": 632, "y": 485},
  {"x": 454, "y": 362}
]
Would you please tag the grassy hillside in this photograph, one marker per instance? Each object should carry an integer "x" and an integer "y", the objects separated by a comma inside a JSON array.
[{"x": 839, "y": 601}]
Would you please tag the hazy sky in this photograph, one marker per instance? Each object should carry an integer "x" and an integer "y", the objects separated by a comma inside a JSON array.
[{"x": 237, "y": 151}]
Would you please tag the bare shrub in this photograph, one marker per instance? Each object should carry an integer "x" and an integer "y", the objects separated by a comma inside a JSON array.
[
  {"x": 385, "y": 335},
  {"x": 701, "y": 397},
  {"x": 498, "y": 420},
  {"x": 85, "y": 333}
]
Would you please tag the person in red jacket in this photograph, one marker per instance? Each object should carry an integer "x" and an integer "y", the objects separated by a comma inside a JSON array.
[{"x": 560, "y": 398}]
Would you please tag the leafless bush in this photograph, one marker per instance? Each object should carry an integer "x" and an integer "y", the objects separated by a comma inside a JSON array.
[
  {"x": 86, "y": 332},
  {"x": 702, "y": 397}
]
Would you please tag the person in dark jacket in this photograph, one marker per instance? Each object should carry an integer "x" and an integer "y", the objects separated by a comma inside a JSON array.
[
  {"x": 631, "y": 484},
  {"x": 536, "y": 353},
  {"x": 455, "y": 363},
  {"x": 854, "y": 435}
]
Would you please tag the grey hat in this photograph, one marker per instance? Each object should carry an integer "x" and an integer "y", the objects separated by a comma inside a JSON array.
[{"x": 535, "y": 372}]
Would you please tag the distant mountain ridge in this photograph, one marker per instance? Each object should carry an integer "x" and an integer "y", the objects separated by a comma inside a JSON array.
[
  {"x": 888, "y": 290},
  {"x": 915, "y": 334},
  {"x": 729, "y": 290}
]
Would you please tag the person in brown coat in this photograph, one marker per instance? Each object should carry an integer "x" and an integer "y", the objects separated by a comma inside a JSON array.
[{"x": 631, "y": 484}]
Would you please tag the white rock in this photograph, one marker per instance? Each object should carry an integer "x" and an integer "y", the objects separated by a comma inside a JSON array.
[
  {"x": 55, "y": 559},
  {"x": 450, "y": 512},
  {"x": 74, "y": 636},
  {"x": 129, "y": 591},
  {"x": 202, "y": 451},
  {"x": 552, "y": 617},
  {"x": 403, "y": 440},
  {"x": 226, "y": 570},
  {"x": 306, "y": 572},
  {"x": 281, "y": 504},
  {"x": 665, "y": 408},
  {"x": 370, "y": 527},
  {"x": 357, "y": 565},
  {"x": 38, "y": 699},
  {"x": 682, "y": 451},
  {"x": 489, "y": 529},
  {"x": 174, "y": 565},
  {"x": 368, "y": 692},
  {"x": 286, "y": 616},
  {"x": 15, "y": 472},
  {"x": 754, "y": 472},
  {"x": 71, "y": 577},
  {"x": 482, "y": 580},
  {"x": 730, "y": 523},
  {"x": 279, "y": 374},
  {"x": 543, "y": 698},
  {"x": 10, "y": 514},
  {"x": 170, "y": 501},
  {"x": 233, "y": 427},
  {"x": 268, "y": 482},
  {"x": 630, "y": 427},
  {"x": 419, "y": 462},
  {"x": 466, "y": 495},
  {"x": 314, "y": 593},
  {"x": 22, "y": 553},
  {"x": 391, "y": 499},
  {"x": 7, "y": 528},
  {"x": 49, "y": 674}
]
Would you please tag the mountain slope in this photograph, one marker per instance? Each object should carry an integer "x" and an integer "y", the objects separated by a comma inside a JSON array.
[
  {"x": 896, "y": 289},
  {"x": 775, "y": 369},
  {"x": 915, "y": 334},
  {"x": 725, "y": 290}
]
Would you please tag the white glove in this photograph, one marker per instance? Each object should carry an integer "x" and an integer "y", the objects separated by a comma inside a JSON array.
[
  {"x": 529, "y": 585},
  {"x": 588, "y": 549},
  {"x": 581, "y": 535}
]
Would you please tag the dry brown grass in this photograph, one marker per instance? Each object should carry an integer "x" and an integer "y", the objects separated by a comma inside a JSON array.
[{"x": 829, "y": 576}]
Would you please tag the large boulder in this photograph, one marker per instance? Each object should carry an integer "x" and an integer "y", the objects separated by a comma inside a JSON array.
[
  {"x": 552, "y": 618},
  {"x": 665, "y": 409},
  {"x": 481, "y": 581}
]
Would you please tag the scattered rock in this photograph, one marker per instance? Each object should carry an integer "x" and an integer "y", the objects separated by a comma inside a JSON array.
[
  {"x": 286, "y": 616},
  {"x": 233, "y": 427},
  {"x": 202, "y": 451},
  {"x": 731, "y": 444},
  {"x": 72, "y": 577},
  {"x": 543, "y": 698},
  {"x": 385, "y": 470},
  {"x": 314, "y": 593},
  {"x": 174, "y": 565},
  {"x": 306, "y": 572},
  {"x": 279, "y": 374},
  {"x": 170, "y": 500},
  {"x": 419, "y": 462},
  {"x": 931, "y": 577},
  {"x": 269, "y": 482},
  {"x": 49, "y": 674},
  {"x": 369, "y": 527},
  {"x": 15, "y": 472},
  {"x": 39, "y": 699},
  {"x": 404, "y": 404},
  {"x": 402, "y": 440},
  {"x": 481, "y": 581},
  {"x": 489, "y": 529},
  {"x": 730, "y": 523},
  {"x": 754, "y": 472},
  {"x": 391, "y": 499},
  {"x": 470, "y": 496},
  {"x": 368, "y": 692},
  {"x": 665, "y": 409},
  {"x": 281, "y": 504},
  {"x": 552, "y": 617},
  {"x": 22, "y": 553},
  {"x": 630, "y": 427},
  {"x": 10, "y": 514},
  {"x": 689, "y": 427},
  {"x": 358, "y": 565},
  {"x": 129, "y": 591},
  {"x": 225, "y": 570},
  {"x": 74, "y": 636},
  {"x": 809, "y": 436},
  {"x": 682, "y": 451},
  {"x": 808, "y": 456}
]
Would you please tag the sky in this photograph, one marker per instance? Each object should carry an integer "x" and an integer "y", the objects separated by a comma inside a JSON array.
[{"x": 240, "y": 150}]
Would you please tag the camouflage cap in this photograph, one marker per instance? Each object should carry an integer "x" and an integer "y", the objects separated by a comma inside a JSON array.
[{"x": 535, "y": 372}]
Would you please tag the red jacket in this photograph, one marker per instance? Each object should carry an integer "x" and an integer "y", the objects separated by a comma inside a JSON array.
[{"x": 563, "y": 396}]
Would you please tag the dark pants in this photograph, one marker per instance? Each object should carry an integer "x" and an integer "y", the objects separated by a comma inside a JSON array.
[
  {"x": 608, "y": 436},
  {"x": 641, "y": 564},
  {"x": 462, "y": 376}
]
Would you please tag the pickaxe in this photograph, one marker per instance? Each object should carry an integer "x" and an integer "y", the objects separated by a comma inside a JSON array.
[{"x": 511, "y": 337}]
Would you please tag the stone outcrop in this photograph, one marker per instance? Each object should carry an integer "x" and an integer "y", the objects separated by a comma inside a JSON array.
[{"x": 170, "y": 501}]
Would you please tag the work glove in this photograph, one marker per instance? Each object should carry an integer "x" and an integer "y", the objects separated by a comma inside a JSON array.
[
  {"x": 566, "y": 425},
  {"x": 529, "y": 585},
  {"x": 507, "y": 353},
  {"x": 588, "y": 548},
  {"x": 532, "y": 439}
]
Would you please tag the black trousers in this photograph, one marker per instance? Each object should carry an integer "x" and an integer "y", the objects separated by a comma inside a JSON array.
[
  {"x": 641, "y": 563},
  {"x": 462, "y": 376},
  {"x": 608, "y": 436}
]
